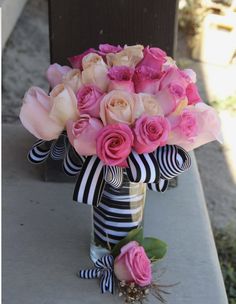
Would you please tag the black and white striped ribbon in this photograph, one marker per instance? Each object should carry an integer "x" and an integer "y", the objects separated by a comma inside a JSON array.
[
  {"x": 113, "y": 176},
  {"x": 143, "y": 168},
  {"x": 120, "y": 211},
  {"x": 104, "y": 271},
  {"x": 39, "y": 151},
  {"x": 172, "y": 161},
  {"x": 58, "y": 148},
  {"x": 90, "y": 182},
  {"x": 161, "y": 186},
  {"x": 72, "y": 162}
]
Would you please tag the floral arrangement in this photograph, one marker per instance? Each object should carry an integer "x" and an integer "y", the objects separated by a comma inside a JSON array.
[{"x": 120, "y": 109}]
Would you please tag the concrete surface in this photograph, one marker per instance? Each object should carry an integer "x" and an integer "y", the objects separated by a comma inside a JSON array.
[
  {"x": 46, "y": 237},
  {"x": 11, "y": 10}
]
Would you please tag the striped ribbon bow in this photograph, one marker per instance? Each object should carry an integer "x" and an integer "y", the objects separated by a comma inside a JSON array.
[{"x": 103, "y": 270}]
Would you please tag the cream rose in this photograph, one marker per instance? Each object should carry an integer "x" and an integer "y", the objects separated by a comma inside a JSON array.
[
  {"x": 147, "y": 103},
  {"x": 117, "y": 107},
  {"x": 73, "y": 79},
  {"x": 130, "y": 56},
  {"x": 95, "y": 71}
]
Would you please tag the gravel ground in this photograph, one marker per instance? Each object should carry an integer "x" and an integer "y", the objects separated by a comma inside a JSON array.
[{"x": 26, "y": 57}]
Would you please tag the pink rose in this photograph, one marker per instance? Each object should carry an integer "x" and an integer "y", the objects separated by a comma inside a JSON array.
[
  {"x": 117, "y": 107},
  {"x": 175, "y": 75},
  {"x": 197, "y": 125},
  {"x": 46, "y": 116},
  {"x": 133, "y": 265},
  {"x": 55, "y": 74},
  {"x": 167, "y": 98},
  {"x": 154, "y": 58},
  {"x": 108, "y": 48},
  {"x": 82, "y": 134},
  {"x": 76, "y": 61},
  {"x": 146, "y": 80},
  {"x": 150, "y": 132},
  {"x": 114, "y": 144},
  {"x": 89, "y": 97},
  {"x": 192, "y": 94},
  {"x": 121, "y": 78},
  {"x": 73, "y": 79}
]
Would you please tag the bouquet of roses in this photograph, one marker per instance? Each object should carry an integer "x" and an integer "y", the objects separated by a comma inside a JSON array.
[{"x": 120, "y": 109}]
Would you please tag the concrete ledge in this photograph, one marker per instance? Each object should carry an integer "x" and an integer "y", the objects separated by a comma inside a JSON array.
[
  {"x": 10, "y": 10},
  {"x": 46, "y": 237}
]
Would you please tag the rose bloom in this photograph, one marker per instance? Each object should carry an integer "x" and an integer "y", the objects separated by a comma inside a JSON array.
[
  {"x": 154, "y": 58},
  {"x": 117, "y": 107},
  {"x": 82, "y": 134},
  {"x": 121, "y": 78},
  {"x": 108, "y": 48},
  {"x": 73, "y": 79},
  {"x": 76, "y": 61},
  {"x": 198, "y": 125},
  {"x": 55, "y": 74},
  {"x": 89, "y": 97},
  {"x": 46, "y": 116},
  {"x": 148, "y": 104},
  {"x": 192, "y": 94},
  {"x": 146, "y": 80},
  {"x": 150, "y": 132},
  {"x": 129, "y": 56},
  {"x": 95, "y": 71},
  {"x": 174, "y": 75},
  {"x": 133, "y": 265},
  {"x": 114, "y": 144}
]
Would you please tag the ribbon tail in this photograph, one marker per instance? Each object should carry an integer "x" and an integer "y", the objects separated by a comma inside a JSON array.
[
  {"x": 90, "y": 183},
  {"x": 143, "y": 168},
  {"x": 107, "y": 281},
  {"x": 40, "y": 151},
  {"x": 58, "y": 148},
  {"x": 72, "y": 162},
  {"x": 161, "y": 186}
]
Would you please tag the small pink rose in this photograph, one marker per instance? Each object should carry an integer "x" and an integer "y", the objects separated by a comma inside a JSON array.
[
  {"x": 192, "y": 94},
  {"x": 146, "y": 80},
  {"x": 133, "y": 265},
  {"x": 89, "y": 97},
  {"x": 114, "y": 144},
  {"x": 76, "y": 61},
  {"x": 82, "y": 134},
  {"x": 174, "y": 75},
  {"x": 55, "y": 74},
  {"x": 150, "y": 132},
  {"x": 121, "y": 78},
  {"x": 154, "y": 58},
  {"x": 108, "y": 48}
]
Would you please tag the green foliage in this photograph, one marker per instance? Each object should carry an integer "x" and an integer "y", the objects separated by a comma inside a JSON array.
[
  {"x": 154, "y": 248},
  {"x": 226, "y": 247},
  {"x": 228, "y": 104}
]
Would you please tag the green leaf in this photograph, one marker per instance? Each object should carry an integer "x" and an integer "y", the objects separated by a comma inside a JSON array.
[
  {"x": 154, "y": 248},
  {"x": 133, "y": 235}
]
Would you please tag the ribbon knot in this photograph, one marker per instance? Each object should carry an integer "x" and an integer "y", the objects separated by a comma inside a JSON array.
[{"x": 103, "y": 270}]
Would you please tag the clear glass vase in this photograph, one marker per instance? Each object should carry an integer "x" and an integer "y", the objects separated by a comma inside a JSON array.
[{"x": 119, "y": 211}]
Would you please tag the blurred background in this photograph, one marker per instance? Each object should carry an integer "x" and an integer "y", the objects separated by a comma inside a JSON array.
[{"x": 206, "y": 43}]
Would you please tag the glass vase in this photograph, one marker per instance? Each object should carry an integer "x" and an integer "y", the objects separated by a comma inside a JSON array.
[{"x": 120, "y": 211}]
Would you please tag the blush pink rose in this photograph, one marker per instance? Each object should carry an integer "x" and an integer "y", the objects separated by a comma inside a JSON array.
[
  {"x": 46, "y": 116},
  {"x": 114, "y": 144},
  {"x": 121, "y": 78},
  {"x": 82, "y": 134},
  {"x": 154, "y": 58},
  {"x": 133, "y": 265},
  {"x": 108, "y": 48},
  {"x": 55, "y": 74},
  {"x": 167, "y": 98},
  {"x": 198, "y": 125},
  {"x": 146, "y": 80},
  {"x": 76, "y": 61},
  {"x": 150, "y": 132},
  {"x": 89, "y": 97},
  {"x": 174, "y": 75},
  {"x": 192, "y": 94}
]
